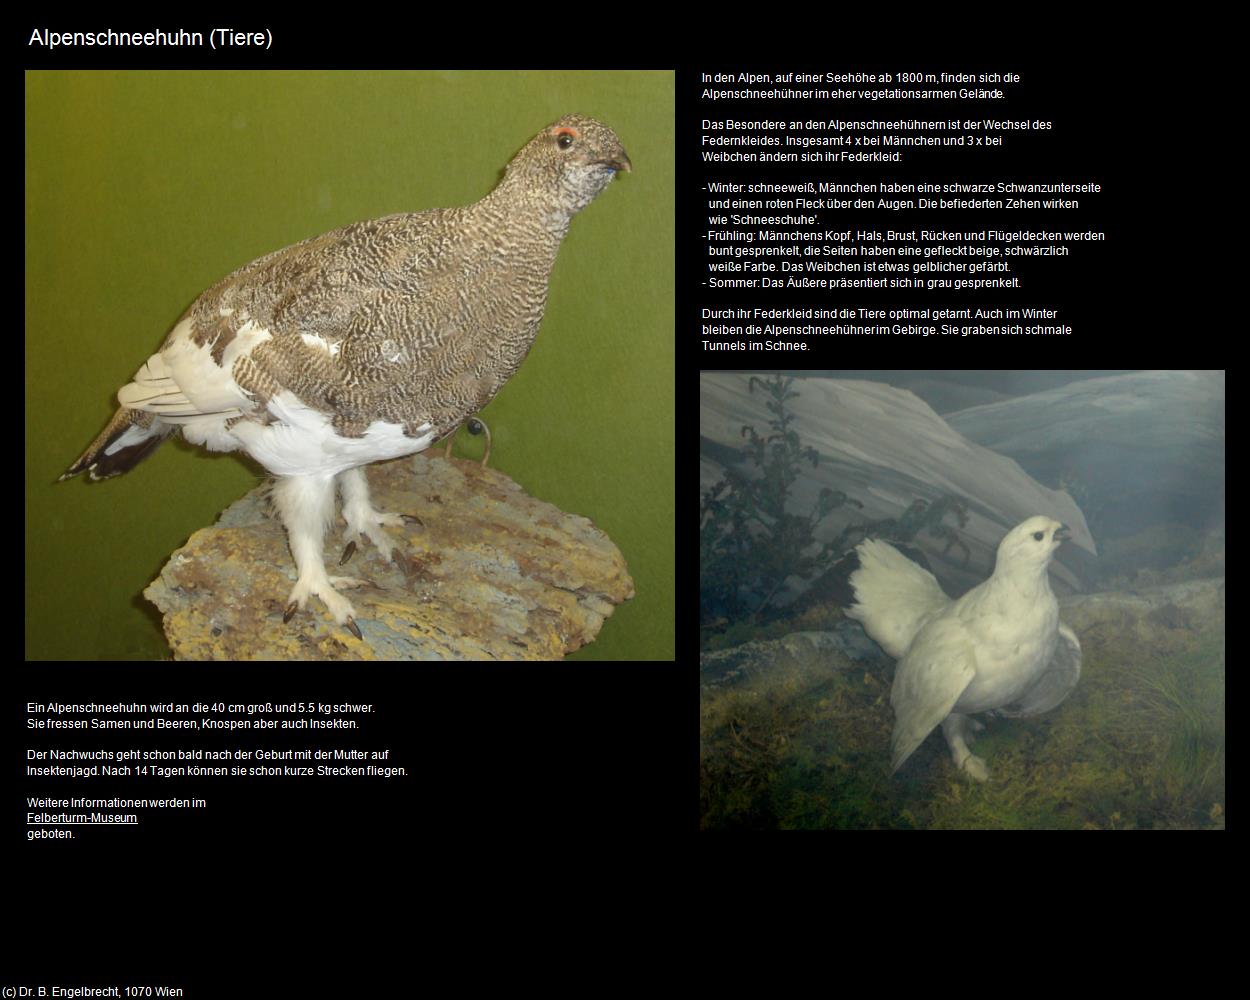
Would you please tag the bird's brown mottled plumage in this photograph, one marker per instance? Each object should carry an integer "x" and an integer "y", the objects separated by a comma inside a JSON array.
[{"x": 366, "y": 342}]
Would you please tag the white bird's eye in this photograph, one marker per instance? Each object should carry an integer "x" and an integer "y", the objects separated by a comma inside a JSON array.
[{"x": 1039, "y": 535}]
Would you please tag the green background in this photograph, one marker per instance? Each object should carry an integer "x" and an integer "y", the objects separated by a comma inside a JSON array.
[{"x": 144, "y": 188}]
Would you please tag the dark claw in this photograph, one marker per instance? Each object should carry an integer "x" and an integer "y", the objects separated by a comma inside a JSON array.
[
  {"x": 412, "y": 519},
  {"x": 355, "y": 629},
  {"x": 348, "y": 552},
  {"x": 290, "y": 612},
  {"x": 401, "y": 560}
]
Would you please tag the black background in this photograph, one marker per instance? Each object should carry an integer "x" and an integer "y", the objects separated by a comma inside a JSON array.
[
  {"x": 1114, "y": 123},
  {"x": 576, "y": 775}
]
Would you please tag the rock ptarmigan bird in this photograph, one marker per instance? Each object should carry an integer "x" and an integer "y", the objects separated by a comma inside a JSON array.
[
  {"x": 366, "y": 343},
  {"x": 1000, "y": 647}
]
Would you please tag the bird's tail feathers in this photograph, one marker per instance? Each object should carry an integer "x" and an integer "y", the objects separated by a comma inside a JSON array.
[
  {"x": 894, "y": 596},
  {"x": 130, "y": 437},
  {"x": 902, "y": 747}
]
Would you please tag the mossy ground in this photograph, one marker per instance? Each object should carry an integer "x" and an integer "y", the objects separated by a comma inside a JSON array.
[{"x": 1139, "y": 745}]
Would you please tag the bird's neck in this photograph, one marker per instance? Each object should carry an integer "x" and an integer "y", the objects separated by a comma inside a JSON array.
[
  {"x": 530, "y": 203},
  {"x": 1031, "y": 585}
]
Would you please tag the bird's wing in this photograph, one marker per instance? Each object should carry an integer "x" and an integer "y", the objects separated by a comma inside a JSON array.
[
  {"x": 928, "y": 681},
  {"x": 377, "y": 287},
  {"x": 894, "y": 596},
  {"x": 184, "y": 385},
  {"x": 1056, "y": 683},
  {"x": 398, "y": 319},
  {"x": 184, "y": 382}
]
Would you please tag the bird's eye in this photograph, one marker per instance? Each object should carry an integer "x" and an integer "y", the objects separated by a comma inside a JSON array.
[
  {"x": 1039, "y": 535},
  {"x": 565, "y": 138}
]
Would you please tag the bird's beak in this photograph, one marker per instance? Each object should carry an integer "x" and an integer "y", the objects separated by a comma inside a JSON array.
[
  {"x": 619, "y": 163},
  {"x": 1063, "y": 533}
]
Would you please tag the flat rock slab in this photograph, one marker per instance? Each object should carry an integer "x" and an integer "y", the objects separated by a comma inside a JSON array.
[{"x": 491, "y": 574}]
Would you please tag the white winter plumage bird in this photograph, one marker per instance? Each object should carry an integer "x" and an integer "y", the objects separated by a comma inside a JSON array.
[{"x": 1000, "y": 647}]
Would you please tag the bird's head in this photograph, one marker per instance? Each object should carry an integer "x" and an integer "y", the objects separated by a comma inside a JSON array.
[
  {"x": 1030, "y": 544},
  {"x": 573, "y": 158}
]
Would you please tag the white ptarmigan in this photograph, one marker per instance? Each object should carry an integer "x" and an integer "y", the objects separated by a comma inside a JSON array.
[
  {"x": 365, "y": 343},
  {"x": 1000, "y": 647}
]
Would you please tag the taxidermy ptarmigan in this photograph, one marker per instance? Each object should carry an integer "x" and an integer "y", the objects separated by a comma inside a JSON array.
[
  {"x": 1000, "y": 647},
  {"x": 366, "y": 343}
]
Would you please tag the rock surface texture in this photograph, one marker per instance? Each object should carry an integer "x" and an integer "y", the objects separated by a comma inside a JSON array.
[{"x": 490, "y": 574}]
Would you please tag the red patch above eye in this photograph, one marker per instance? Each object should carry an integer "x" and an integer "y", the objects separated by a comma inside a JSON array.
[{"x": 567, "y": 131}]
